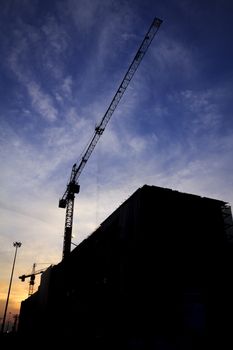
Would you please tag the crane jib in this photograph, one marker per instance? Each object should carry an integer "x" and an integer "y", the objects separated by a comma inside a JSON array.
[{"x": 67, "y": 200}]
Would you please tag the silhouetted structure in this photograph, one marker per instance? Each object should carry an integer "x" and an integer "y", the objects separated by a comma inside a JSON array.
[{"x": 155, "y": 275}]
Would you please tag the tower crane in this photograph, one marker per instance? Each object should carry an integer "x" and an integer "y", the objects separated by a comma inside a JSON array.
[
  {"x": 32, "y": 278},
  {"x": 73, "y": 187}
]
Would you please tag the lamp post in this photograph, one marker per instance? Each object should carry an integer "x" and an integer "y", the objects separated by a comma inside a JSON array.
[{"x": 16, "y": 245}]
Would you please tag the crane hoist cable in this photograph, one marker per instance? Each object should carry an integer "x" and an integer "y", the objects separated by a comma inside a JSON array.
[{"x": 67, "y": 200}]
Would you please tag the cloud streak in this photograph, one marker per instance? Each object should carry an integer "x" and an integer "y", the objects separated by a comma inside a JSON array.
[{"x": 42, "y": 102}]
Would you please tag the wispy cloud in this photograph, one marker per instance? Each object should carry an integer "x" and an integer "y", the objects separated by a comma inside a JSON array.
[
  {"x": 173, "y": 59},
  {"x": 38, "y": 53},
  {"x": 202, "y": 105},
  {"x": 67, "y": 86},
  {"x": 56, "y": 36},
  {"x": 42, "y": 102}
]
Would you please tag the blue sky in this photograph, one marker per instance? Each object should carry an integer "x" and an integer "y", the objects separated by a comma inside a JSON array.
[{"x": 61, "y": 63}]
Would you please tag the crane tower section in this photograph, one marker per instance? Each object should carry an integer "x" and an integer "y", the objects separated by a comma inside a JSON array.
[{"x": 67, "y": 200}]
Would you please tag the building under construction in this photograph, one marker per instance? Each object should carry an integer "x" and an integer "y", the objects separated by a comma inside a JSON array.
[{"x": 156, "y": 274}]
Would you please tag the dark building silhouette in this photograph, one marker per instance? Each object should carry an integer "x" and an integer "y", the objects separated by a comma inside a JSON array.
[{"x": 156, "y": 274}]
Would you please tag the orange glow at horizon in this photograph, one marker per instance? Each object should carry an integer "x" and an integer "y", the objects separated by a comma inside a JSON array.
[{"x": 19, "y": 292}]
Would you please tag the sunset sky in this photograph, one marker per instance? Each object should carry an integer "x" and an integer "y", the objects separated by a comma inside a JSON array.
[{"x": 61, "y": 63}]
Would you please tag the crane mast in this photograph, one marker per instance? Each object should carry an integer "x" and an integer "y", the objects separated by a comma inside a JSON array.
[{"x": 67, "y": 200}]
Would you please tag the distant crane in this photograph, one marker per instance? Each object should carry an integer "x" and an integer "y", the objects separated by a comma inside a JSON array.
[
  {"x": 67, "y": 200},
  {"x": 32, "y": 277}
]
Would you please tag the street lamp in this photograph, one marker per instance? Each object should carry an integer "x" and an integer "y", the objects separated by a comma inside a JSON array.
[{"x": 16, "y": 245}]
